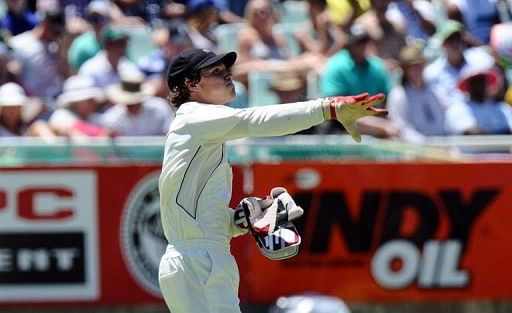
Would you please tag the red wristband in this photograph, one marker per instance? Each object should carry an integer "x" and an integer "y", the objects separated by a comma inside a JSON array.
[{"x": 333, "y": 111}]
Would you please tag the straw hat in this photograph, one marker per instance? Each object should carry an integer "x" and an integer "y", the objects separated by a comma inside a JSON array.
[
  {"x": 131, "y": 90},
  {"x": 412, "y": 54},
  {"x": 78, "y": 88},
  {"x": 12, "y": 94},
  {"x": 288, "y": 81}
]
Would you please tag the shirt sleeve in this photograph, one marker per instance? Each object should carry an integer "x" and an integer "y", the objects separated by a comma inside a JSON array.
[
  {"x": 459, "y": 119},
  {"x": 397, "y": 106},
  {"x": 62, "y": 117},
  {"x": 507, "y": 111},
  {"x": 219, "y": 123}
]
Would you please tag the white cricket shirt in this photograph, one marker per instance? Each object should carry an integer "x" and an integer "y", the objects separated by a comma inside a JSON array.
[{"x": 195, "y": 183}]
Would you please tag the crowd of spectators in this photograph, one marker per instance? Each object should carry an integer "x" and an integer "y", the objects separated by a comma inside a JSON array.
[{"x": 81, "y": 68}]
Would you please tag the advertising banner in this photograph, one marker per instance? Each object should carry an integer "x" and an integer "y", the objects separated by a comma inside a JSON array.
[
  {"x": 48, "y": 236},
  {"x": 82, "y": 234},
  {"x": 384, "y": 231}
]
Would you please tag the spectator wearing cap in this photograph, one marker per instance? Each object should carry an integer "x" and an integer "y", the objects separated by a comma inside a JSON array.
[
  {"x": 19, "y": 114},
  {"x": 415, "y": 106},
  {"x": 17, "y": 18},
  {"x": 43, "y": 65},
  {"x": 106, "y": 65},
  {"x": 479, "y": 113},
  {"x": 86, "y": 45},
  {"x": 354, "y": 71},
  {"x": 446, "y": 69},
  {"x": 136, "y": 112},
  {"x": 77, "y": 114}
]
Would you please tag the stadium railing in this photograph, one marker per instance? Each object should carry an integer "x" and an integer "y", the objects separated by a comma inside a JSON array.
[{"x": 23, "y": 151}]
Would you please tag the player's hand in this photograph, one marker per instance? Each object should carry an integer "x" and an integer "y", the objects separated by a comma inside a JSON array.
[
  {"x": 282, "y": 210},
  {"x": 249, "y": 210},
  {"x": 348, "y": 109}
]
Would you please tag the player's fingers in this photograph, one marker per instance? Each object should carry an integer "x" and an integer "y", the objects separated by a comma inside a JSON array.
[
  {"x": 374, "y": 100},
  {"x": 377, "y": 112},
  {"x": 360, "y": 97},
  {"x": 357, "y": 99}
]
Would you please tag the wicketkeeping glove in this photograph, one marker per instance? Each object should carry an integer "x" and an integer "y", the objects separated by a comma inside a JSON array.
[
  {"x": 273, "y": 230},
  {"x": 282, "y": 209},
  {"x": 249, "y": 210},
  {"x": 348, "y": 109}
]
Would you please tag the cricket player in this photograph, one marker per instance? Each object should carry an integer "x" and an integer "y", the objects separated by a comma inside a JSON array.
[{"x": 197, "y": 273}]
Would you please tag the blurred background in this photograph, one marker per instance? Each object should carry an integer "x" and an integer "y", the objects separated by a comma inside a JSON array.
[{"x": 413, "y": 219}]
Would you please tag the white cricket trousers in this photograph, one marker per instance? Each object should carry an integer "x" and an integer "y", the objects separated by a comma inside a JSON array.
[{"x": 199, "y": 276}]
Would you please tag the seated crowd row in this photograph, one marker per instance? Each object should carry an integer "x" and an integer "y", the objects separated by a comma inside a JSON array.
[{"x": 440, "y": 78}]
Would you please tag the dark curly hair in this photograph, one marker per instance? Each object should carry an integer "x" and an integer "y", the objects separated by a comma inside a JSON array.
[{"x": 179, "y": 93}]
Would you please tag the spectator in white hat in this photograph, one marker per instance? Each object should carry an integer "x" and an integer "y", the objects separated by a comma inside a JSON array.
[
  {"x": 18, "y": 114},
  {"x": 77, "y": 114},
  {"x": 136, "y": 112}
]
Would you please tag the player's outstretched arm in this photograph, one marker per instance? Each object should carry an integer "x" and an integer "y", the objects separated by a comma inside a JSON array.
[{"x": 348, "y": 109}]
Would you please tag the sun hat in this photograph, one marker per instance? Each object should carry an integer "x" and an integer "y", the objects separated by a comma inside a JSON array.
[
  {"x": 412, "y": 54},
  {"x": 12, "y": 94},
  {"x": 288, "y": 81},
  {"x": 494, "y": 80},
  {"x": 78, "y": 88},
  {"x": 192, "y": 60},
  {"x": 131, "y": 89}
]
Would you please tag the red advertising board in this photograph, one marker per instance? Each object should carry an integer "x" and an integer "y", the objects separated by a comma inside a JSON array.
[
  {"x": 82, "y": 234},
  {"x": 404, "y": 231},
  {"x": 370, "y": 232}
]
